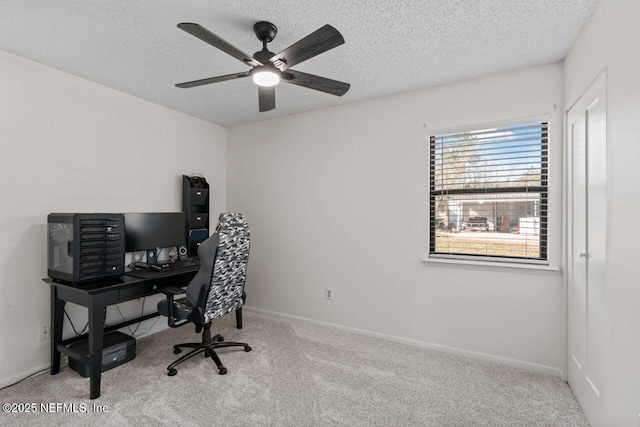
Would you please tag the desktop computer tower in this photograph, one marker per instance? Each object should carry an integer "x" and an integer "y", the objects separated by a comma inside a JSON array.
[
  {"x": 83, "y": 247},
  {"x": 118, "y": 348}
]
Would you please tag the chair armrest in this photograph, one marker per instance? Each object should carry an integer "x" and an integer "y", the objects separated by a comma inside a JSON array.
[{"x": 170, "y": 292}]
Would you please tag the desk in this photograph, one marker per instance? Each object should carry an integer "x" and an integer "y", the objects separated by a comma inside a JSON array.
[{"x": 96, "y": 296}]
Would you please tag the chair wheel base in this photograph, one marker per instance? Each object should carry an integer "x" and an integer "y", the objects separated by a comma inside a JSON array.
[{"x": 207, "y": 347}]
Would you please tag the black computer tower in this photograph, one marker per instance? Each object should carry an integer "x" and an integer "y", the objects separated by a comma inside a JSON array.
[{"x": 85, "y": 246}]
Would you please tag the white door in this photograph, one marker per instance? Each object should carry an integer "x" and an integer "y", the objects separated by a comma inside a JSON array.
[{"x": 587, "y": 232}]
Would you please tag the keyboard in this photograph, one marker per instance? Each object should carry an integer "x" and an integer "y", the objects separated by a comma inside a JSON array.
[{"x": 176, "y": 265}]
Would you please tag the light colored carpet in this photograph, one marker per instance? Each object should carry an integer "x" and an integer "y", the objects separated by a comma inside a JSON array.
[{"x": 301, "y": 375}]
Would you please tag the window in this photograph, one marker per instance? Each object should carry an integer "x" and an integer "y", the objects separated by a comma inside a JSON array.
[{"x": 488, "y": 194}]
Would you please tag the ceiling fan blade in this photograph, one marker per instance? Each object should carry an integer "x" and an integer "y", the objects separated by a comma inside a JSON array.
[
  {"x": 266, "y": 98},
  {"x": 208, "y": 37},
  {"x": 319, "y": 41},
  {"x": 212, "y": 80},
  {"x": 311, "y": 81}
]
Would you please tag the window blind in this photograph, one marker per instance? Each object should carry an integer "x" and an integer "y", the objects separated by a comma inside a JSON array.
[{"x": 488, "y": 193}]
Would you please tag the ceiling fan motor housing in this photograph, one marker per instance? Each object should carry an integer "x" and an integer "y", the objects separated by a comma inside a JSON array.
[{"x": 263, "y": 56}]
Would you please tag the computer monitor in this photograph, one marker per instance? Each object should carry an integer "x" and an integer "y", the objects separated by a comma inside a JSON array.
[{"x": 151, "y": 230}]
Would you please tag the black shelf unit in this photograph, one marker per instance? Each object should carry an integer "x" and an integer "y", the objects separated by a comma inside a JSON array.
[{"x": 195, "y": 205}]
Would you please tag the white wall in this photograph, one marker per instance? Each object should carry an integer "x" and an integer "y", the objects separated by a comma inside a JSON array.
[
  {"x": 338, "y": 198},
  {"x": 70, "y": 145},
  {"x": 612, "y": 39}
]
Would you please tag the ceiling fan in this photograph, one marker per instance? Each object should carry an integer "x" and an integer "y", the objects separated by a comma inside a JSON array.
[{"x": 269, "y": 68}]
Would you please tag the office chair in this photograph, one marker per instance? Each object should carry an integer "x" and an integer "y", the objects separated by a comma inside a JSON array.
[{"x": 216, "y": 289}]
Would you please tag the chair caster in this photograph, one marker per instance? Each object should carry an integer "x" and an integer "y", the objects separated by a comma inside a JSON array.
[
  {"x": 222, "y": 371},
  {"x": 177, "y": 350},
  {"x": 172, "y": 372},
  {"x": 247, "y": 348}
]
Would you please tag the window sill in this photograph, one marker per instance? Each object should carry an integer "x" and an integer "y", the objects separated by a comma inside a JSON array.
[{"x": 497, "y": 264}]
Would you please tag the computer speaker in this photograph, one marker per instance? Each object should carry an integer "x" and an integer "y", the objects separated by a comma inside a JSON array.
[
  {"x": 152, "y": 256},
  {"x": 182, "y": 253}
]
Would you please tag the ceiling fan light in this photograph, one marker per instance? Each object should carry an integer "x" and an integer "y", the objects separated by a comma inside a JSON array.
[{"x": 266, "y": 78}]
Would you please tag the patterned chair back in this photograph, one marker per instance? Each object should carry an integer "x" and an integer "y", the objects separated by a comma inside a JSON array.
[{"x": 230, "y": 266}]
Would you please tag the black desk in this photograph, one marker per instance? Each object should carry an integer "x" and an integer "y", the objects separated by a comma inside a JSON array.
[{"x": 96, "y": 296}]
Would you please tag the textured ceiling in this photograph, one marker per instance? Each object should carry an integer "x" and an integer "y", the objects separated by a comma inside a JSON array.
[{"x": 391, "y": 45}]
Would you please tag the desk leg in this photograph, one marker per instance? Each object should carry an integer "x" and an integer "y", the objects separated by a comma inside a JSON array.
[
  {"x": 239, "y": 318},
  {"x": 57, "y": 321},
  {"x": 239, "y": 312},
  {"x": 96, "y": 330}
]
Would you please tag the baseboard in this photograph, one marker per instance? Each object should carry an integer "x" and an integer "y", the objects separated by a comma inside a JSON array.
[
  {"x": 521, "y": 364},
  {"x": 16, "y": 378}
]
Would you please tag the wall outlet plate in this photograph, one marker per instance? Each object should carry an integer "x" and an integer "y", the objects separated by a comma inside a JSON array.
[
  {"x": 44, "y": 332},
  {"x": 328, "y": 293}
]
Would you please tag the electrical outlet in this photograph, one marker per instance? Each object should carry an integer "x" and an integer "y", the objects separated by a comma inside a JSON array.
[
  {"x": 328, "y": 293},
  {"x": 44, "y": 332}
]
